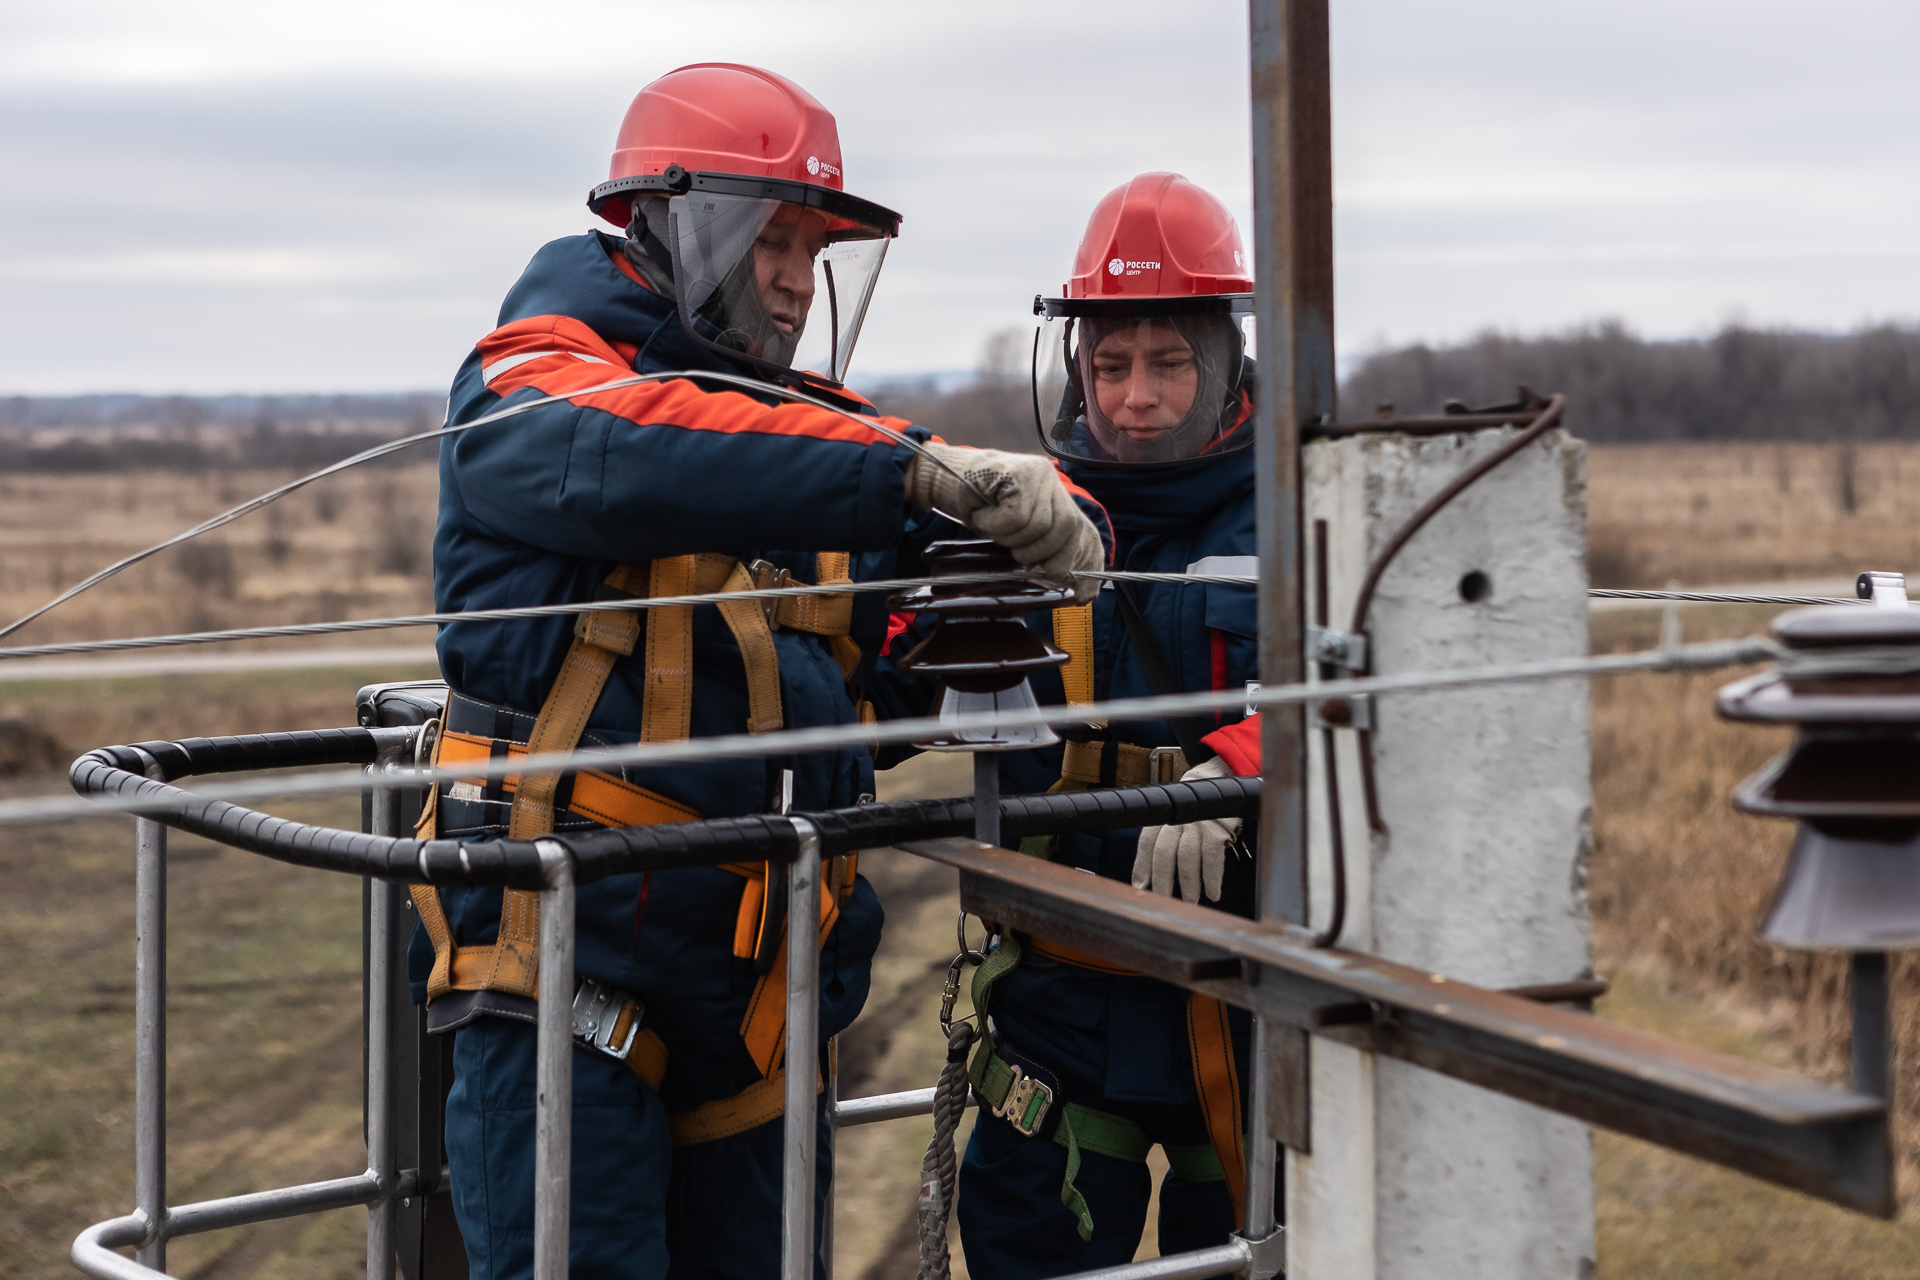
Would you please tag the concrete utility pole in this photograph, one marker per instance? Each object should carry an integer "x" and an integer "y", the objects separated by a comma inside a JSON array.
[{"x": 1481, "y": 874}]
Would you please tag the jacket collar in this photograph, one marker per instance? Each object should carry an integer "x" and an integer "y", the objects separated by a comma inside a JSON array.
[{"x": 1163, "y": 500}]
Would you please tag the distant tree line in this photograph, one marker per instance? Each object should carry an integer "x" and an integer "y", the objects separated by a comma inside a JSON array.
[
  {"x": 69, "y": 434},
  {"x": 1740, "y": 384}
]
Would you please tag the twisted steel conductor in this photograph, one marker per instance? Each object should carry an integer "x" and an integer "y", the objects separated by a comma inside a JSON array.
[
  {"x": 394, "y": 446},
  {"x": 1690, "y": 657}
]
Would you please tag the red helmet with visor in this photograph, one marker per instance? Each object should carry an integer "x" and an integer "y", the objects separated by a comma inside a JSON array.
[
  {"x": 1150, "y": 367},
  {"x": 728, "y": 180}
]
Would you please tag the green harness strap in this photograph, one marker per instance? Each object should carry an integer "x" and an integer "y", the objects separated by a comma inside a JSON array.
[{"x": 997, "y": 1081}]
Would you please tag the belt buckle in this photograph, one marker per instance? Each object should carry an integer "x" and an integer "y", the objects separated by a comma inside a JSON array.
[
  {"x": 1166, "y": 764},
  {"x": 596, "y": 1012},
  {"x": 1020, "y": 1095},
  {"x": 767, "y": 577}
]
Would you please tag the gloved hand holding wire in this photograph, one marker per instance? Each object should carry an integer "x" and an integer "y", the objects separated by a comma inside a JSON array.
[
  {"x": 1016, "y": 499},
  {"x": 1194, "y": 852}
]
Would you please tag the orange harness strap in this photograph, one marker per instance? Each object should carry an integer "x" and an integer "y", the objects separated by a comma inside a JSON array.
[
  {"x": 1218, "y": 1083},
  {"x": 1215, "y": 1077}
]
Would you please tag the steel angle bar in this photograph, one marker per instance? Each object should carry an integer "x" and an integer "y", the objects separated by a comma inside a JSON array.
[{"x": 1831, "y": 1143}]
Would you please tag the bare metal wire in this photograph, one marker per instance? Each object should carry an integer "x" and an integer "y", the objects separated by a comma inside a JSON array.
[
  {"x": 349, "y": 625},
  {"x": 1691, "y": 657},
  {"x": 393, "y": 446},
  {"x": 1717, "y": 597}
]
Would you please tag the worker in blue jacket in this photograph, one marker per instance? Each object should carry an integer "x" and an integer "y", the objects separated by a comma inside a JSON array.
[
  {"x": 743, "y": 258},
  {"x": 1087, "y": 1066}
]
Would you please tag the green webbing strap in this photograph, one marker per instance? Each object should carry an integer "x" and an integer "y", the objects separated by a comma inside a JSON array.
[
  {"x": 1079, "y": 1126},
  {"x": 1069, "y": 1194},
  {"x": 1198, "y": 1163},
  {"x": 1041, "y": 847}
]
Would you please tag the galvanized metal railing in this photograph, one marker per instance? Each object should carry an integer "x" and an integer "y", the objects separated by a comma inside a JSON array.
[{"x": 556, "y": 866}]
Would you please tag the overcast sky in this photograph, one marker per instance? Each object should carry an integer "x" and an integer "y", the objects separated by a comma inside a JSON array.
[{"x": 210, "y": 197}]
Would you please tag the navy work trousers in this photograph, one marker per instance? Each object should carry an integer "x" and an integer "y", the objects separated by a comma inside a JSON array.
[
  {"x": 643, "y": 1209},
  {"x": 1013, "y": 1226}
]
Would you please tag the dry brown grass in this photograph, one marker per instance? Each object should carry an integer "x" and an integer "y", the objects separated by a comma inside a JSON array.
[
  {"x": 353, "y": 545},
  {"x": 1680, "y": 882},
  {"x": 1713, "y": 513}
]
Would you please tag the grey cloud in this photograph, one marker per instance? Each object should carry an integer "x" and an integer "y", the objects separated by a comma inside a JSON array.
[{"x": 1498, "y": 162}]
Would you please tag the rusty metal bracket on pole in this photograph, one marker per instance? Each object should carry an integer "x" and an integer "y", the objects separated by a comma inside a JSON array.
[
  {"x": 1293, "y": 319},
  {"x": 1828, "y": 1142}
]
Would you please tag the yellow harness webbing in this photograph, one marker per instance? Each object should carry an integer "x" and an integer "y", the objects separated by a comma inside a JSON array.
[
  {"x": 1073, "y": 631},
  {"x": 600, "y": 639}
]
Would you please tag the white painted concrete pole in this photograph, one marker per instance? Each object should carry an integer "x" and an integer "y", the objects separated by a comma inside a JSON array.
[{"x": 1482, "y": 873}]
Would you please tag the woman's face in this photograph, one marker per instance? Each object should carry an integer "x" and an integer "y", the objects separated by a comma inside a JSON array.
[{"x": 1145, "y": 377}]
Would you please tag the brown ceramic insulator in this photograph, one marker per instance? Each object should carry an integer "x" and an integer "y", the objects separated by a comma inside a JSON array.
[
  {"x": 981, "y": 644},
  {"x": 972, "y": 556}
]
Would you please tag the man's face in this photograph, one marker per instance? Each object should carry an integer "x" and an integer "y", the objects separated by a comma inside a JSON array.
[
  {"x": 1144, "y": 379},
  {"x": 783, "y": 258}
]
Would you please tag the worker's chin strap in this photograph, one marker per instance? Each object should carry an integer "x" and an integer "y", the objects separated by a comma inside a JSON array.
[
  {"x": 646, "y": 244},
  {"x": 511, "y": 965}
]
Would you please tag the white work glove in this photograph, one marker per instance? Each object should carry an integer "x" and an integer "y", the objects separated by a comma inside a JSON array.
[
  {"x": 1195, "y": 851},
  {"x": 1027, "y": 509}
]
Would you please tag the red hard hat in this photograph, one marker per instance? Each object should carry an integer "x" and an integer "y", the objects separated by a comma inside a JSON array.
[
  {"x": 1159, "y": 236},
  {"x": 719, "y": 117}
]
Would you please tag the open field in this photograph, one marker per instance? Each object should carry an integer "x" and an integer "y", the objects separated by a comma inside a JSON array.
[
  {"x": 1705, "y": 513},
  {"x": 264, "y": 968},
  {"x": 354, "y": 545}
]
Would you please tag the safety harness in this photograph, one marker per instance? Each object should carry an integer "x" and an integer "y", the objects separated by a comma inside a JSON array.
[
  {"x": 605, "y": 1019},
  {"x": 1024, "y": 1092}
]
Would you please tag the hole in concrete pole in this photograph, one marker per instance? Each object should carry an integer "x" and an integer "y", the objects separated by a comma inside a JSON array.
[{"x": 1475, "y": 586}]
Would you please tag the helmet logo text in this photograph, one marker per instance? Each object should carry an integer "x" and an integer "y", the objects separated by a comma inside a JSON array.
[
  {"x": 1127, "y": 266},
  {"x": 816, "y": 166}
]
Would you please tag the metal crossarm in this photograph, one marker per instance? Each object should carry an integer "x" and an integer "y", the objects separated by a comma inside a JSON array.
[{"x": 1828, "y": 1142}]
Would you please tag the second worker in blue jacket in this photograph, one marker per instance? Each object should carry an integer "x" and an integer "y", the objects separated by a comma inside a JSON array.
[{"x": 1089, "y": 1066}]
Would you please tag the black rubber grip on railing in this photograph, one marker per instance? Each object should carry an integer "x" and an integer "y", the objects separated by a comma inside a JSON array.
[
  {"x": 326, "y": 848},
  {"x": 306, "y": 748},
  {"x": 873, "y": 826},
  {"x": 119, "y": 771},
  {"x": 764, "y": 837},
  {"x": 1168, "y": 804}
]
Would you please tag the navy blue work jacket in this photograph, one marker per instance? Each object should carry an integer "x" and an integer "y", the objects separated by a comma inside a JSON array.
[
  {"x": 1126, "y": 1037},
  {"x": 540, "y": 508}
]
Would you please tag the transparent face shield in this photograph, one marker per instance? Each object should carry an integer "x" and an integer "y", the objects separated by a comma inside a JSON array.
[
  {"x": 1131, "y": 389},
  {"x": 773, "y": 280}
]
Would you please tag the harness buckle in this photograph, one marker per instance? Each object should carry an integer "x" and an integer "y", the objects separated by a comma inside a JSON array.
[
  {"x": 767, "y": 577},
  {"x": 1018, "y": 1108},
  {"x": 1165, "y": 764},
  {"x": 596, "y": 1016}
]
